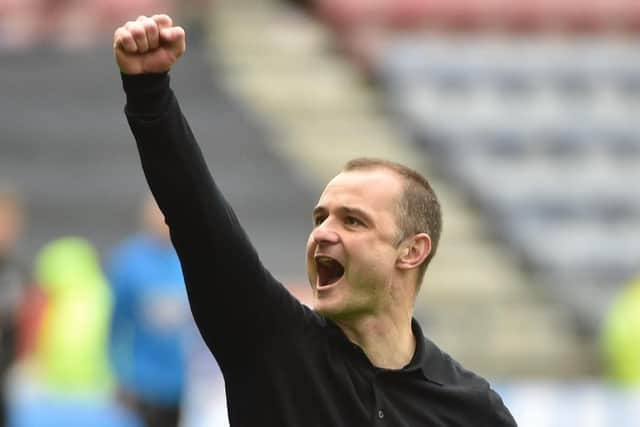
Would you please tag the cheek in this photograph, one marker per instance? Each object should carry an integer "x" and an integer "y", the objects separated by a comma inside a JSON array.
[
  {"x": 309, "y": 252},
  {"x": 373, "y": 261},
  {"x": 310, "y": 247}
]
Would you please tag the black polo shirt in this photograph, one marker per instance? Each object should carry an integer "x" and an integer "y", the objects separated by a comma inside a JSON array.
[{"x": 283, "y": 364}]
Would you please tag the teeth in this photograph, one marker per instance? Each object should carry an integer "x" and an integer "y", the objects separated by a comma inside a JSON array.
[{"x": 324, "y": 259}]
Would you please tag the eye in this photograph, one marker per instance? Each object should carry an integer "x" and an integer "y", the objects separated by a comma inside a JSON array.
[
  {"x": 352, "y": 220},
  {"x": 318, "y": 219}
]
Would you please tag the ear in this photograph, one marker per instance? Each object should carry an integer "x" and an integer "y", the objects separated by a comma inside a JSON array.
[{"x": 414, "y": 251}]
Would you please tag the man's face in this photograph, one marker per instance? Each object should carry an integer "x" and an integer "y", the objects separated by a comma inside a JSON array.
[{"x": 351, "y": 251}]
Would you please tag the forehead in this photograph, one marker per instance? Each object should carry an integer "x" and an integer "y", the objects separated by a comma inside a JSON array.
[{"x": 377, "y": 188}]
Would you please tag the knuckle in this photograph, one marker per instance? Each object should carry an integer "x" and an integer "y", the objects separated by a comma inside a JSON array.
[
  {"x": 122, "y": 37},
  {"x": 150, "y": 26},
  {"x": 164, "y": 19},
  {"x": 137, "y": 31}
]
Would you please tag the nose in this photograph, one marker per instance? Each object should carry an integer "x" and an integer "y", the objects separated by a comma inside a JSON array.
[{"x": 325, "y": 234}]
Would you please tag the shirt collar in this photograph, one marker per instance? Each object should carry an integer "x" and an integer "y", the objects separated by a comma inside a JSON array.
[
  {"x": 418, "y": 361},
  {"x": 425, "y": 360},
  {"x": 427, "y": 357}
]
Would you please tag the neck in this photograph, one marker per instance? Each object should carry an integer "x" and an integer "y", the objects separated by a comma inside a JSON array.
[{"x": 388, "y": 342}]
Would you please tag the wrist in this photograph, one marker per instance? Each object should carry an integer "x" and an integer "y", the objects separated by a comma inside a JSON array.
[{"x": 146, "y": 93}]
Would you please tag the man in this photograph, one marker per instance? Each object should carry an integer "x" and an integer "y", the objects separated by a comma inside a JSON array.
[
  {"x": 358, "y": 358},
  {"x": 13, "y": 286}
]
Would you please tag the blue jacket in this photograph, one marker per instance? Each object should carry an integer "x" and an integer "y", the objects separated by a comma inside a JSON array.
[{"x": 151, "y": 319}]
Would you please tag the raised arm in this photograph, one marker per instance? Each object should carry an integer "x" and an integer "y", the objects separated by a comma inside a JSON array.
[{"x": 235, "y": 301}]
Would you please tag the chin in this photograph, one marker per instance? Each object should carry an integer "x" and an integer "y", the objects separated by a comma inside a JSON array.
[
  {"x": 326, "y": 309},
  {"x": 333, "y": 310},
  {"x": 329, "y": 300}
]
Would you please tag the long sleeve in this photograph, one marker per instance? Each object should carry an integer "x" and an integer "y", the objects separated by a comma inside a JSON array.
[{"x": 236, "y": 303}]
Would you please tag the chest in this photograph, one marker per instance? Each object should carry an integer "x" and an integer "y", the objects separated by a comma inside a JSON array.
[{"x": 323, "y": 388}]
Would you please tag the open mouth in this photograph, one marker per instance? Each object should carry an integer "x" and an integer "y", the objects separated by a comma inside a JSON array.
[{"x": 329, "y": 270}]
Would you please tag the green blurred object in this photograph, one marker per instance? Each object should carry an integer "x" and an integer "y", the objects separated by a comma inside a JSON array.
[
  {"x": 71, "y": 353},
  {"x": 621, "y": 337}
]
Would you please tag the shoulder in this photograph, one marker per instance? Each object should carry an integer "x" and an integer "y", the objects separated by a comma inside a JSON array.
[
  {"x": 440, "y": 368},
  {"x": 443, "y": 369}
]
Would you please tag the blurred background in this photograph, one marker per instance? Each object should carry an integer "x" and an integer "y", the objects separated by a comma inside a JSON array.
[{"x": 522, "y": 114}]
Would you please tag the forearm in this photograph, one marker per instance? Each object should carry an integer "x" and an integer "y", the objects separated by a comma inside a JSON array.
[
  {"x": 172, "y": 161},
  {"x": 228, "y": 286}
]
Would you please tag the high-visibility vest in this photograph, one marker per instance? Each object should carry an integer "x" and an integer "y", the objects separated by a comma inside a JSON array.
[
  {"x": 621, "y": 337},
  {"x": 72, "y": 348}
]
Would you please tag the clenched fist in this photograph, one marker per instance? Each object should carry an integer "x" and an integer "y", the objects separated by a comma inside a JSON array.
[{"x": 148, "y": 45}]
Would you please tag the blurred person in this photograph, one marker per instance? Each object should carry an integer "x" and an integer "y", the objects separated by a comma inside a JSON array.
[
  {"x": 358, "y": 357},
  {"x": 66, "y": 380},
  {"x": 621, "y": 337},
  {"x": 13, "y": 285},
  {"x": 71, "y": 351},
  {"x": 152, "y": 333}
]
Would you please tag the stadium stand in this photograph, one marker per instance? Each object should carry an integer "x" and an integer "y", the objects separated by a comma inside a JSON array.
[
  {"x": 540, "y": 133},
  {"x": 575, "y": 15}
]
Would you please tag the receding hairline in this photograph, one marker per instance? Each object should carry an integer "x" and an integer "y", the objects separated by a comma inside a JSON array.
[{"x": 408, "y": 174}]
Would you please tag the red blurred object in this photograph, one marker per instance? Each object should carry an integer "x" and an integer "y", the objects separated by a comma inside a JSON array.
[
  {"x": 534, "y": 15},
  {"x": 118, "y": 11},
  {"x": 344, "y": 14},
  {"x": 632, "y": 16},
  {"x": 361, "y": 26},
  {"x": 30, "y": 318}
]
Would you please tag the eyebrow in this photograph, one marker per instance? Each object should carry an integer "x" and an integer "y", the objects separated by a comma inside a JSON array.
[
  {"x": 347, "y": 210},
  {"x": 317, "y": 211}
]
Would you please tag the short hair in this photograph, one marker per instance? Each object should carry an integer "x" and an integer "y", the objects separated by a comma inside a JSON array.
[{"x": 418, "y": 210}]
